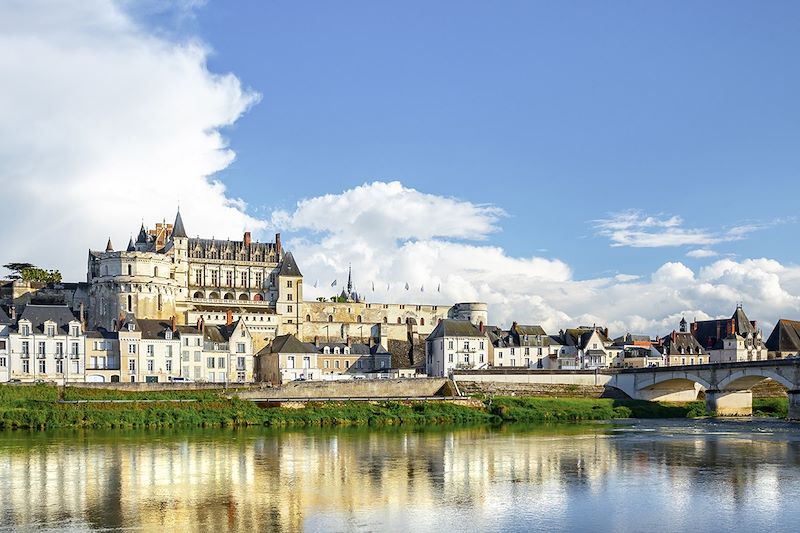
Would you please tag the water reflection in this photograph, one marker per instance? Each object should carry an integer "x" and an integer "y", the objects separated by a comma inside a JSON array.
[{"x": 649, "y": 476}]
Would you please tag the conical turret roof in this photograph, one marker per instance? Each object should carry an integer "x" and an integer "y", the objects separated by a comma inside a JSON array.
[
  {"x": 177, "y": 229},
  {"x": 109, "y": 246},
  {"x": 131, "y": 246},
  {"x": 142, "y": 238}
]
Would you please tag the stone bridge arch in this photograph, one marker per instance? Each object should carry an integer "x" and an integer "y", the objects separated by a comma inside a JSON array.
[{"x": 747, "y": 377}]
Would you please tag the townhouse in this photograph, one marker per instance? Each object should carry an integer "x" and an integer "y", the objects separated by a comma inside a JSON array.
[{"x": 455, "y": 344}]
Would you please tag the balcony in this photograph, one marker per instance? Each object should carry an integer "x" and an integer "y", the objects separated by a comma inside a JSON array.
[{"x": 466, "y": 350}]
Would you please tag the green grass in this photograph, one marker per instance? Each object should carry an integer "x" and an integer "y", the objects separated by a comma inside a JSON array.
[
  {"x": 78, "y": 393},
  {"x": 534, "y": 409},
  {"x": 35, "y": 407}
]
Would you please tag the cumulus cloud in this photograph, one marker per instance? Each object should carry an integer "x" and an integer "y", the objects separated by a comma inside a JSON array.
[
  {"x": 636, "y": 229},
  {"x": 105, "y": 124},
  {"x": 393, "y": 235}
]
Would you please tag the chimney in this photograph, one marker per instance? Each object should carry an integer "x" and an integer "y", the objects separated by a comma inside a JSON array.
[
  {"x": 733, "y": 327},
  {"x": 278, "y": 244},
  {"x": 12, "y": 312},
  {"x": 605, "y": 332},
  {"x": 82, "y": 316},
  {"x": 693, "y": 327},
  {"x": 228, "y": 317},
  {"x": 200, "y": 324},
  {"x": 348, "y": 341},
  {"x": 174, "y": 324},
  {"x": 316, "y": 341},
  {"x": 247, "y": 239},
  {"x": 483, "y": 328},
  {"x": 719, "y": 329}
]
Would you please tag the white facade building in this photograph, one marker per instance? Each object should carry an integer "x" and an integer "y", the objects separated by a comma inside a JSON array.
[
  {"x": 46, "y": 343},
  {"x": 455, "y": 344}
]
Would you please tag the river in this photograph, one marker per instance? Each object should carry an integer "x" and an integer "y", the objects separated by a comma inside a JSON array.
[{"x": 676, "y": 475}]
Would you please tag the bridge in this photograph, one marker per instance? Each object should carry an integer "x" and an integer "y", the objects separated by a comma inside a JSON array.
[{"x": 727, "y": 386}]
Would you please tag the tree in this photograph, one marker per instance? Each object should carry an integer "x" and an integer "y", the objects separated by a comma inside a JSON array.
[
  {"x": 17, "y": 269},
  {"x": 29, "y": 272}
]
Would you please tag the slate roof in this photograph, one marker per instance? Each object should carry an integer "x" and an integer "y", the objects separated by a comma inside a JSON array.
[
  {"x": 4, "y": 319},
  {"x": 527, "y": 330},
  {"x": 177, "y": 228},
  {"x": 143, "y": 237},
  {"x": 289, "y": 344},
  {"x": 785, "y": 337},
  {"x": 109, "y": 246},
  {"x": 131, "y": 246},
  {"x": 455, "y": 328},
  {"x": 189, "y": 330},
  {"x": 154, "y": 329},
  {"x": 682, "y": 341},
  {"x": 378, "y": 349},
  {"x": 289, "y": 266},
  {"x": 219, "y": 332},
  {"x": 711, "y": 333},
  {"x": 39, "y": 314},
  {"x": 101, "y": 333}
]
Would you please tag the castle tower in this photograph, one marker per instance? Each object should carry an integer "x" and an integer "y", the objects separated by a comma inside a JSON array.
[
  {"x": 290, "y": 294},
  {"x": 180, "y": 251}
]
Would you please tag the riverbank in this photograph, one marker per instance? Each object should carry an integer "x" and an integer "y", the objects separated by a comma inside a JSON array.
[{"x": 38, "y": 407}]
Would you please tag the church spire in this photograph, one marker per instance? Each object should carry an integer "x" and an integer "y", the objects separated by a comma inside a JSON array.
[{"x": 350, "y": 279}]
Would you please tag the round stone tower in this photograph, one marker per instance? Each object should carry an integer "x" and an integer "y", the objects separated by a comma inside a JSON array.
[{"x": 475, "y": 312}]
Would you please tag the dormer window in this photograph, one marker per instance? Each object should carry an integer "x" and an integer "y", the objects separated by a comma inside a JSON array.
[
  {"x": 336, "y": 350},
  {"x": 347, "y": 351},
  {"x": 326, "y": 350},
  {"x": 51, "y": 330},
  {"x": 131, "y": 326},
  {"x": 168, "y": 335},
  {"x": 76, "y": 331}
]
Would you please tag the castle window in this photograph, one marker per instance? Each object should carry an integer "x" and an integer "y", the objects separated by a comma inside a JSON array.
[
  {"x": 326, "y": 350},
  {"x": 160, "y": 303},
  {"x": 421, "y": 321},
  {"x": 289, "y": 283},
  {"x": 330, "y": 318},
  {"x": 308, "y": 318},
  {"x": 130, "y": 303},
  {"x": 385, "y": 320},
  {"x": 289, "y": 309},
  {"x": 336, "y": 350},
  {"x": 399, "y": 320},
  {"x": 130, "y": 270},
  {"x": 358, "y": 319},
  {"x": 155, "y": 272},
  {"x": 198, "y": 294}
]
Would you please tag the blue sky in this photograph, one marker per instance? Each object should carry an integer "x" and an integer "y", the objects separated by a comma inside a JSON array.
[
  {"x": 560, "y": 113},
  {"x": 619, "y": 163}
]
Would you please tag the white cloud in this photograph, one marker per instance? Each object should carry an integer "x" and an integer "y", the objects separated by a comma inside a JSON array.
[
  {"x": 392, "y": 235},
  {"x": 701, "y": 253},
  {"x": 105, "y": 124},
  {"x": 636, "y": 229}
]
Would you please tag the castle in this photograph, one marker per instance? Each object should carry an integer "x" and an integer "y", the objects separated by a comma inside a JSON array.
[{"x": 164, "y": 274}]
